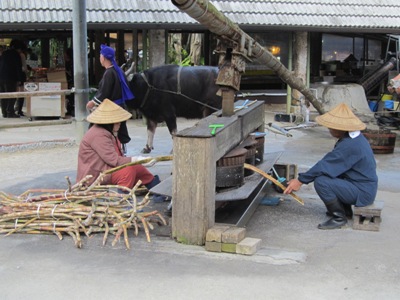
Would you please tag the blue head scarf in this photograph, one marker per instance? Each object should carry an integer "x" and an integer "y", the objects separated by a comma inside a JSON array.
[{"x": 127, "y": 94}]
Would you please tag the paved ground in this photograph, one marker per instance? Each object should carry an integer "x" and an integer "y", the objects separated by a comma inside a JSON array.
[{"x": 296, "y": 261}]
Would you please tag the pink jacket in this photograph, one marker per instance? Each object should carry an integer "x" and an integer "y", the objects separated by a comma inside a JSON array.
[{"x": 97, "y": 153}]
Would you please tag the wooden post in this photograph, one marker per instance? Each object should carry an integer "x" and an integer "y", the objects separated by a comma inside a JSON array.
[
  {"x": 300, "y": 60},
  {"x": 194, "y": 182},
  {"x": 228, "y": 98}
]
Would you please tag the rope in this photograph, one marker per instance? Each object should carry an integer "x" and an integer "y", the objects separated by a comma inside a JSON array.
[
  {"x": 52, "y": 211},
  {"x": 37, "y": 212}
]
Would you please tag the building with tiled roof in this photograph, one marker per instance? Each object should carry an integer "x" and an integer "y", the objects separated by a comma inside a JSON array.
[
  {"x": 309, "y": 15},
  {"x": 358, "y": 27}
]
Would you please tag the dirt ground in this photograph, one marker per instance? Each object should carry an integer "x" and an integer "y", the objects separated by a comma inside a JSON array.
[{"x": 295, "y": 261}]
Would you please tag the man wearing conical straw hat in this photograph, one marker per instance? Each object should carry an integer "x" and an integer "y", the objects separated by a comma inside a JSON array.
[
  {"x": 100, "y": 150},
  {"x": 345, "y": 176}
]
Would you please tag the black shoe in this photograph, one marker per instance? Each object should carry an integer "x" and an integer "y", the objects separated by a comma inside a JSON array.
[
  {"x": 153, "y": 183},
  {"x": 160, "y": 198},
  {"x": 13, "y": 116},
  {"x": 333, "y": 223},
  {"x": 335, "y": 208},
  {"x": 168, "y": 212},
  {"x": 347, "y": 209},
  {"x": 21, "y": 114}
]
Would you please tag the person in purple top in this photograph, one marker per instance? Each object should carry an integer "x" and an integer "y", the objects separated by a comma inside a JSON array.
[{"x": 345, "y": 176}]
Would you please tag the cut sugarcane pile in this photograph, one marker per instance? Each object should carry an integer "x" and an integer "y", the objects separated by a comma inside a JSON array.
[
  {"x": 81, "y": 209},
  {"x": 77, "y": 211}
]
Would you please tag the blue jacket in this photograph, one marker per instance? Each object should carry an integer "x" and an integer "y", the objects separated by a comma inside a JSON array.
[{"x": 351, "y": 160}]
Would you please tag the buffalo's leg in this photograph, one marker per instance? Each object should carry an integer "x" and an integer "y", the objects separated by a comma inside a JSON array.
[
  {"x": 171, "y": 124},
  {"x": 151, "y": 130},
  {"x": 172, "y": 127}
]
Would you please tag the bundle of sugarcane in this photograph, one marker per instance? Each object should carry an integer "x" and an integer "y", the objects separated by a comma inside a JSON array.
[{"x": 81, "y": 209}]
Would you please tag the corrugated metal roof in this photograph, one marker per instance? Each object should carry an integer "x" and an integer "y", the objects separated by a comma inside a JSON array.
[{"x": 375, "y": 15}]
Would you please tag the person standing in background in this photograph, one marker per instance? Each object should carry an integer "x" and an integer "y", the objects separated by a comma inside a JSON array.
[
  {"x": 20, "y": 101},
  {"x": 31, "y": 54},
  {"x": 69, "y": 72},
  {"x": 113, "y": 86},
  {"x": 10, "y": 76}
]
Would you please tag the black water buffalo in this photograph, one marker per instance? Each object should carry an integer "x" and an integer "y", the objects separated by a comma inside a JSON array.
[{"x": 165, "y": 92}]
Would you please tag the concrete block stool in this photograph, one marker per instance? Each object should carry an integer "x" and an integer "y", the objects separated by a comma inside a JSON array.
[{"x": 368, "y": 217}]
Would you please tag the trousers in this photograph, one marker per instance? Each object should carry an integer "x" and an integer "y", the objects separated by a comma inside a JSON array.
[
  {"x": 130, "y": 175},
  {"x": 329, "y": 189},
  {"x": 7, "y": 104}
]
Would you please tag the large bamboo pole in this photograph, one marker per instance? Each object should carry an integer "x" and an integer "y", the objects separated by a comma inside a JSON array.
[{"x": 206, "y": 14}]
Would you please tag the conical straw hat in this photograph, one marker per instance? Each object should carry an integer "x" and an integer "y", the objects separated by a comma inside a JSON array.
[
  {"x": 341, "y": 118},
  {"x": 108, "y": 113}
]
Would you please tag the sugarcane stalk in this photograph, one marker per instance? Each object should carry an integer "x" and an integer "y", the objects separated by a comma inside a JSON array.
[
  {"x": 269, "y": 177},
  {"x": 117, "y": 236},
  {"x": 146, "y": 228},
  {"x": 127, "y": 245},
  {"x": 74, "y": 238},
  {"x": 107, "y": 230},
  {"x": 136, "y": 232},
  {"x": 69, "y": 183},
  {"x": 139, "y": 162},
  {"x": 20, "y": 227}
]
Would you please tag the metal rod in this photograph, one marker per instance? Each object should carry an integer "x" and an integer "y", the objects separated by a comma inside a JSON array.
[
  {"x": 34, "y": 94},
  {"x": 81, "y": 77}
]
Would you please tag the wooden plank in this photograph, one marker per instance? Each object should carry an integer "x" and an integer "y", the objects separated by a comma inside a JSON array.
[
  {"x": 193, "y": 189},
  {"x": 253, "y": 205},
  {"x": 226, "y": 137},
  {"x": 250, "y": 182},
  {"x": 234, "y": 129},
  {"x": 251, "y": 118},
  {"x": 241, "y": 193}
]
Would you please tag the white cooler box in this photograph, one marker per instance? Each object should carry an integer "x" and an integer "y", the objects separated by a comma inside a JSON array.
[{"x": 44, "y": 106}]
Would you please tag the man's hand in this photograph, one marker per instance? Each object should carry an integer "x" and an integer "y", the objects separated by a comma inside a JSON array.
[{"x": 293, "y": 185}]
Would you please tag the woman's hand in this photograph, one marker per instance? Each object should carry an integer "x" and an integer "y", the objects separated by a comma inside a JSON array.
[
  {"x": 293, "y": 185},
  {"x": 147, "y": 164},
  {"x": 91, "y": 105}
]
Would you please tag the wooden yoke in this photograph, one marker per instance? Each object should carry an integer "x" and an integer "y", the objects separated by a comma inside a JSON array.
[
  {"x": 231, "y": 66},
  {"x": 196, "y": 151}
]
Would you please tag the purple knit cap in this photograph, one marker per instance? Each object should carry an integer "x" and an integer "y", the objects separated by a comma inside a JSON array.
[{"x": 107, "y": 52}]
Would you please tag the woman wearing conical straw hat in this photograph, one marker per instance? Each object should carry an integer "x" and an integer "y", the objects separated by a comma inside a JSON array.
[
  {"x": 345, "y": 176},
  {"x": 100, "y": 150}
]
